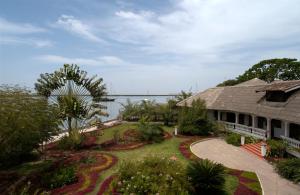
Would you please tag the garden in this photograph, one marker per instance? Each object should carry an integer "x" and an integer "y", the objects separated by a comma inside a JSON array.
[{"x": 142, "y": 156}]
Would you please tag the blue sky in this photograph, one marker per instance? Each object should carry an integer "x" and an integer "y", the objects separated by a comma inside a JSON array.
[{"x": 143, "y": 46}]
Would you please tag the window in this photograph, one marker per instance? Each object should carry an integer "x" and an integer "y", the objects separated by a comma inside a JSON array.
[{"x": 277, "y": 96}]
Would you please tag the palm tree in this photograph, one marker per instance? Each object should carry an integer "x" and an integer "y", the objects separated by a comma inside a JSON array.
[{"x": 76, "y": 96}]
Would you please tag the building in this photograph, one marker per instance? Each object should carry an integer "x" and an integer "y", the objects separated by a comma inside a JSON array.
[{"x": 256, "y": 108}]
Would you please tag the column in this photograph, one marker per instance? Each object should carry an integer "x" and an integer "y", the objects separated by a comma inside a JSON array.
[
  {"x": 236, "y": 118},
  {"x": 286, "y": 129},
  {"x": 268, "y": 128},
  {"x": 219, "y": 115},
  {"x": 253, "y": 122}
]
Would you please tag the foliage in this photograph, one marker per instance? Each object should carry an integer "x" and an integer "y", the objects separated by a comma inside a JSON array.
[
  {"x": 150, "y": 132},
  {"x": 269, "y": 70},
  {"x": 193, "y": 120},
  {"x": 290, "y": 169},
  {"x": 182, "y": 96},
  {"x": 116, "y": 135},
  {"x": 25, "y": 122},
  {"x": 70, "y": 88},
  {"x": 233, "y": 138},
  {"x": 71, "y": 142},
  {"x": 169, "y": 112},
  {"x": 153, "y": 175},
  {"x": 277, "y": 148},
  {"x": 206, "y": 177},
  {"x": 135, "y": 111},
  {"x": 59, "y": 177},
  {"x": 166, "y": 113}
]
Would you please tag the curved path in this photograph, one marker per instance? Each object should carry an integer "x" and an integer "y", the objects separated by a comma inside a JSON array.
[{"x": 237, "y": 158}]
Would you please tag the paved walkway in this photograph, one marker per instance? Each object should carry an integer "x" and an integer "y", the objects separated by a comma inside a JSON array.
[{"x": 237, "y": 158}]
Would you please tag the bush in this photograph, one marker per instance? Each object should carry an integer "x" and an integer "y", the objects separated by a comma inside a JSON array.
[
  {"x": 25, "y": 122},
  {"x": 290, "y": 169},
  {"x": 277, "y": 148},
  {"x": 193, "y": 120},
  {"x": 72, "y": 142},
  {"x": 233, "y": 138},
  {"x": 206, "y": 177},
  {"x": 150, "y": 132},
  {"x": 152, "y": 176},
  {"x": 59, "y": 177}
]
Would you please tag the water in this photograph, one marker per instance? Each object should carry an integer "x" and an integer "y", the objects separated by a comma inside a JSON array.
[{"x": 114, "y": 108}]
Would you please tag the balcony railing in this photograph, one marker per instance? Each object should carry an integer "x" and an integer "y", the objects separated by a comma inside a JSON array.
[
  {"x": 243, "y": 129},
  {"x": 291, "y": 142}
]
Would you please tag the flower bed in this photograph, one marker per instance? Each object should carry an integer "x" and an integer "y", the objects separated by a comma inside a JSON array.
[
  {"x": 87, "y": 173},
  {"x": 106, "y": 184},
  {"x": 244, "y": 183}
]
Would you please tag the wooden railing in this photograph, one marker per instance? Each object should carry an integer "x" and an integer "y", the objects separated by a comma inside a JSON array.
[
  {"x": 243, "y": 129},
  {"x": 291, "y": 142}
]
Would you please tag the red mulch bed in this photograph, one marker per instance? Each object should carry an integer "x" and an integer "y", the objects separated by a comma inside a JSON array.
[
  {"x": 87, "y": 173},
  {"x": 242, "y": 188},
  {"x": 105, "y": 185}
]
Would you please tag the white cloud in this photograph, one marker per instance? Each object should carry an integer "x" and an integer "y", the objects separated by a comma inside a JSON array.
[
  {"x": 97, "y": 61},
  {"x": 201, "y": 26},
  {"x": 8, "y": 27},
  {"x": 21, "y": 34},
  {"x": 75, "y": 26},
  {"x": 12, "y": 40}
]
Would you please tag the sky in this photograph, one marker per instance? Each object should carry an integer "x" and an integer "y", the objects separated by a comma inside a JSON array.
[{"x": 142, "y": 46}]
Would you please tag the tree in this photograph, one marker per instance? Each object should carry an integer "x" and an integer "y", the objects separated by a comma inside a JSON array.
[
  {"x": 76, "y": 95},
  {"x": 25, "y": 123},
  {"x": 182, "y": 96},
  {"x": 269, "y": 70},
  {"x": 193, "y": 120}
]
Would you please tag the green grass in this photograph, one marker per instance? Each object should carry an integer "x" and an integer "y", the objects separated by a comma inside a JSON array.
[
  {"x": 109, "y": 133},
  {"x": 255, "y": 186},
  {"x": 231, "y": 183}
]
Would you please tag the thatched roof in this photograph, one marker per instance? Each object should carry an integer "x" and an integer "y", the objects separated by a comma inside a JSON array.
[
  {"x": 284, "y": 86},
  {"x": 244, "y": 98}
]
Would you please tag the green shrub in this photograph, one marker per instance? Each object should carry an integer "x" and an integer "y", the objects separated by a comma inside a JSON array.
[
  {"x": 206, "y": 177},
  {"x": 25, "y": 122},
  {"x": 277, "y": 148},
  {"x": 59, "y": 177},
  {"x": 150, "y": 132},
  {"x": 233, "y": 138},
  {"x": 72, "y": 142},
  {"x": 193, "y": 120},
  {"x": 153, "y": 175},
  {"x": 290, "y": 169}
]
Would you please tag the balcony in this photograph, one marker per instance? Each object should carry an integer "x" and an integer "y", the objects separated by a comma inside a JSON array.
[{"x": 243, "y": 129}]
